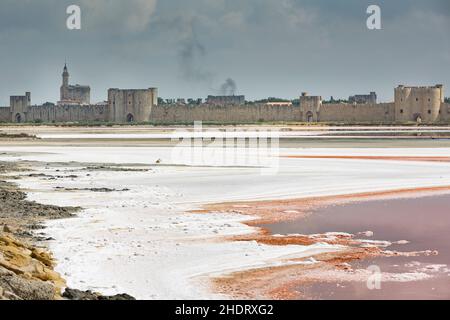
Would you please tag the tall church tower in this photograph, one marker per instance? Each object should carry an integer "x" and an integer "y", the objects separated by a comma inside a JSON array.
[
  {"x": 73, "y": 94},
  {"x": 65, "y": 76},
  {"x": 64, "y": 91}
]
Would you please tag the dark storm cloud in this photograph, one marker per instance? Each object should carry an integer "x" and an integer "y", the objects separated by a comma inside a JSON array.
[{"x": 187, "y": 48}]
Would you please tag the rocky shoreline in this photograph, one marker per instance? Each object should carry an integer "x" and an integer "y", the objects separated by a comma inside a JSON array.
[{"x": 26, "y": 266}]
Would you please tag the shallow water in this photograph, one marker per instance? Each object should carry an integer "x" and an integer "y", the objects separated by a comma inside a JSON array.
[{"x": 424, "y": 222}]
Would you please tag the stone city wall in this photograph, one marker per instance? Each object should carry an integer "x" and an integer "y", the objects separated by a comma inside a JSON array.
[
  {"x": 444, "y": 115},
  {"x": 5, "y": 114},
  {"x": 173, "y": 114},
  {"x": 418, "y": 103},
  {"x": 67, "y": 113},
  {"x": 184, "y": 114},
  {"x": 131, "y": 105},
  {"x": 357, "y": 113}
]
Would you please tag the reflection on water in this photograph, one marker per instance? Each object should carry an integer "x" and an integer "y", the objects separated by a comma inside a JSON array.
[{"x": 424, "y": 222}]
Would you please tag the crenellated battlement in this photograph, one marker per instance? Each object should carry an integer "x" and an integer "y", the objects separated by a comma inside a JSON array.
[{"x": 411, "y": 104}]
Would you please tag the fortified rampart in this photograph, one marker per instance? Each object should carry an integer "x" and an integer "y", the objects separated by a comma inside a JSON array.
[
  {"x": 5, "y": 114},
  {"x": 445, "y": 113},
  {"x": 67, "y": 113},
  {"x": 358, "y": 113},
  {"x": 58, "y": 113},
  {"x": 310, "y": 107},
  {"x": 314, "y": 110},
  {"x": 166, "y": 114},
  {"x": 138, "y": 107},
  {"x": 411, "y": 104},
  {"x": 250, "y": 113},
  {"x": 131, "y": 105},
  {"x": 19, "y": 106},
  {"x": 420, "y": 104}
]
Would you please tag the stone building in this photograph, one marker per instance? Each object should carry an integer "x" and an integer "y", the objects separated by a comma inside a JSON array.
[
  {"x": 73, "y": 94},
  {"x": 411, "y": 104},
  {"x": 363, "y": 98},
  {"x": 19, "y": 107},
  {"x": 131, "y": 105},
  {"x": 21, "y": 110},
  {"x": 310, "y": 107},
  {"x": 74, "y": 106},
  {"x": 226, "y": 100},
  {"x": 419, "y": 104}
]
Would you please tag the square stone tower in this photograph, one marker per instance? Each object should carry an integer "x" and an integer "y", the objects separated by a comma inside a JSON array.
[
  {"x": 310, "y": 107},
  {"x": 131, "y": 105},
  {"x": 19, "y": 106}
]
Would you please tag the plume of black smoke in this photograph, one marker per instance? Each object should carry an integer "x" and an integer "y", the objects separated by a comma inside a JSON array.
[{"x": 228, "y": 88}]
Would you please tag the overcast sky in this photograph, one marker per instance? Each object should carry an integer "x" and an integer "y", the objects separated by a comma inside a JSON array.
[{"x": 189, "y": 48}]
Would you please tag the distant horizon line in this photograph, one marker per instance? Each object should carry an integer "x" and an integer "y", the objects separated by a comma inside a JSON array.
[{"x": 331, "y": 97}]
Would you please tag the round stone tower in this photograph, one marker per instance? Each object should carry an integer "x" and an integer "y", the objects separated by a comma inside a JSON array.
[{"x": 418, "y": 104}]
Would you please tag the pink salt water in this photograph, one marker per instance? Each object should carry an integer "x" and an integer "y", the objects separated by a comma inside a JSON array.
[{"x": 424, "y": 222}]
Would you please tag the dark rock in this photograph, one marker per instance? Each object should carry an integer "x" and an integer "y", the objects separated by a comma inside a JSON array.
[
  {"x": 75, "y": 294},
  {"x": 122, "y": 296}
]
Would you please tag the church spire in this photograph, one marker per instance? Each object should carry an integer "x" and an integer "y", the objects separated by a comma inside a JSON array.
[{"x": 65, "y": 76}]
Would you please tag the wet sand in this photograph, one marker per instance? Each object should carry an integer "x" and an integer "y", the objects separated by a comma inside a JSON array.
[
  {"x": 271, "y": 211},
  {"x": 424, "y": 222},
  {"x": 408, "y": 241}
]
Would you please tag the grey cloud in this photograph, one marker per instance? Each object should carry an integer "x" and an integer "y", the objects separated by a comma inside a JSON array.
[
  {"x": 270, "y": 47},
  {"x": 118, "y": 15},
  {"x": 191, "y": 53}
]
